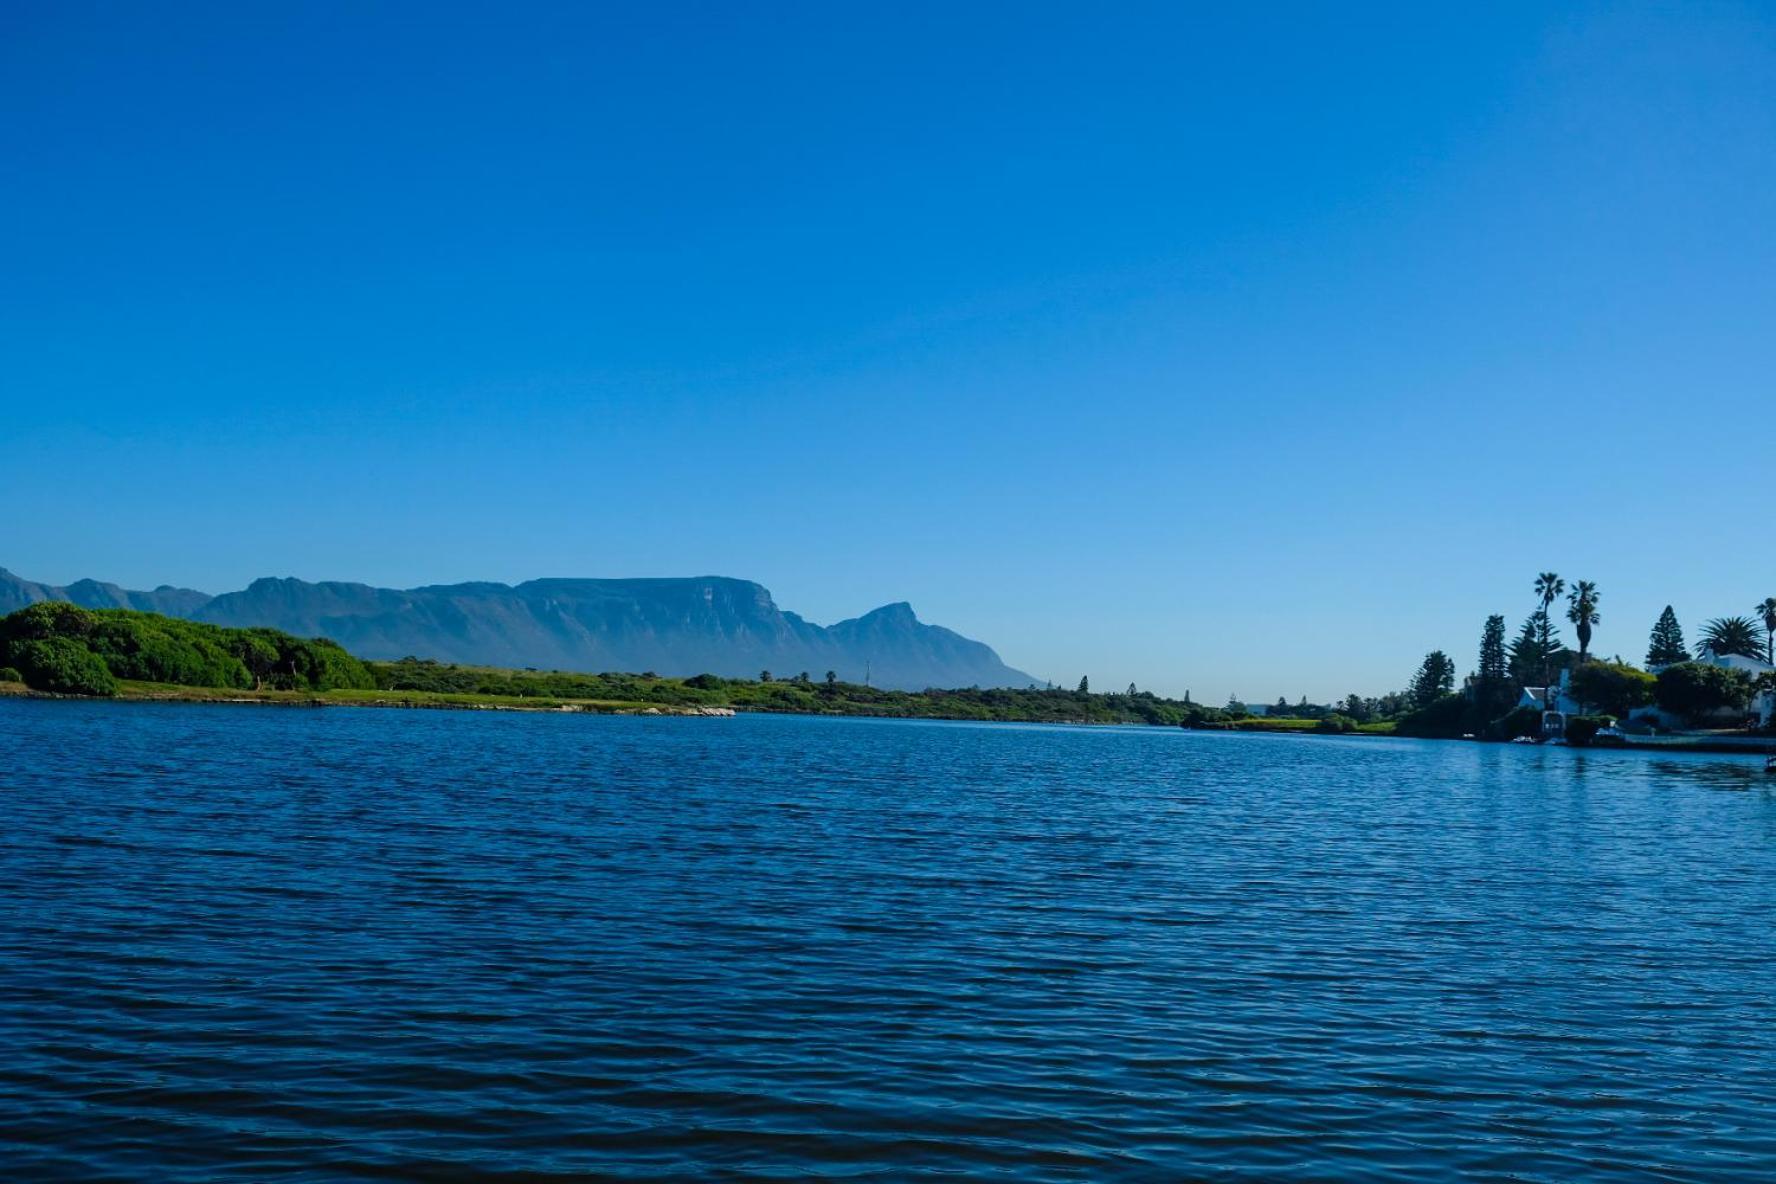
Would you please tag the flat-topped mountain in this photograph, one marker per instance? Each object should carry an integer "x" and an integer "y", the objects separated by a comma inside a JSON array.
[{"x": 670, "y": 626}]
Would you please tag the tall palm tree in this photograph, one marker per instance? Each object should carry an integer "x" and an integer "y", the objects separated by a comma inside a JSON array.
[
  {"x": 1549, "y": 585},
  {"x": 1729, "y": 635},
  {"x": 1582, "y": 612},
  {"x": 1767, "y": 612}
]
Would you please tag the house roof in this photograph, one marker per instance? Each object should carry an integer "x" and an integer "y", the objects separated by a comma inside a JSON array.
[{"x": 1740, "y": 661}]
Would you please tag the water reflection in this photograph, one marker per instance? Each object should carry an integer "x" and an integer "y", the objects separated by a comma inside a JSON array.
[{"x": 337, "y": 944}]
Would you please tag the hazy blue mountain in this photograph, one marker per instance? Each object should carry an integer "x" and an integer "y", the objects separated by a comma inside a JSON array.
[
  {"x": 670, "y": 626},
  {"x": 16, "y": 593}
]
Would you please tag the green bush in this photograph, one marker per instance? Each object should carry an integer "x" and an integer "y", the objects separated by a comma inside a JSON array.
[
  {"x": 1443, "y": 719},
  {"x": 161, "y": 649},
  {"x": 323, "y": 665},
  {"x": 62, "y": 666},
  {"x": 1612, "y": 687},
  {"x": 1695, "y": 690},
  {"x": 1582, "y": 729},
  {"x": 50, "y": 618},
  {"x": 1336, "y": 723},
  {"x": 1520, "y": 721},
  {"x": 10, "y": 674},
  {"x": 147, "y": 647}
]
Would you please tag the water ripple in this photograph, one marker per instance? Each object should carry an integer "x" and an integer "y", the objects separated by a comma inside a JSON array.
[{"x": 251, "y": 945}]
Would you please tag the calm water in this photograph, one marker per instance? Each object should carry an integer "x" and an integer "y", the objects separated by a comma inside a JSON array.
[{"x": 257, "y": 944}]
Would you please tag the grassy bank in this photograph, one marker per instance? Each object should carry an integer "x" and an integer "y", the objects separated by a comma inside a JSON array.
[
  {"x": 160, "y": 692},
  {"x": 367, "y": 698},
  {"x": 60, "y": 649},
  {"x": 662, "y": 696},
  {"x": 799, "y": 695},
  {"x": 1289, "y": 724}
]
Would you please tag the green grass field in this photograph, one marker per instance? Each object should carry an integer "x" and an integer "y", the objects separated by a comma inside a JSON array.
[
  {"x": 127, "y": 689},
  {"x": 1269, "y": 723},
  {"x": 778, "y": 697}
]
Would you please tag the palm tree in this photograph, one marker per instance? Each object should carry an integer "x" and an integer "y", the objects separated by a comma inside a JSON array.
[
  {"x": 1549, "y": 585},
  {"x": 1767, "y": 611},
  {"x": 1729, "y": 635},
  {"x": 1582, "y": 612}
]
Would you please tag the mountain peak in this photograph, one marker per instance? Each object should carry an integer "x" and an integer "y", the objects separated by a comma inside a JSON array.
[
  {"x": 16, "y": 593},
  {"x": 898, "y": 613},
  {"x": 715, "y": 624}
]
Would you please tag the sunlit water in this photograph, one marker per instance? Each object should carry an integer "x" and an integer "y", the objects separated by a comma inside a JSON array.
[{"x": 251, "y": 944}]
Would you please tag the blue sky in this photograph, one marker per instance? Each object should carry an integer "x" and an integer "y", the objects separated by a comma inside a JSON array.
[{"x": 1235, "y": 350}]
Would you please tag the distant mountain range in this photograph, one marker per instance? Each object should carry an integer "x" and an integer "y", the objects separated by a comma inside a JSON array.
[{"x": 669, "y": 626}]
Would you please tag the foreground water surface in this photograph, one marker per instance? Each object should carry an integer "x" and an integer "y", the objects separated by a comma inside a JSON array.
[{"x": 249, "y": 944}]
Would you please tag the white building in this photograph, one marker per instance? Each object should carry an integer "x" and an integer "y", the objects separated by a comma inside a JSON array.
[
  {"x": 1555, "y": 703},
  {"x": 1763, "y": 704},
  {"x": 1561, "y": 701},
  {"x": 1764, "y": 701}
]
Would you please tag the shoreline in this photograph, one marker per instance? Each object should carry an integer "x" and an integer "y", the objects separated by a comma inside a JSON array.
[
  {"x": 399, "y": 700},
  {"x": 440, "y": 701},
  {"x": 132, "y": 692}
]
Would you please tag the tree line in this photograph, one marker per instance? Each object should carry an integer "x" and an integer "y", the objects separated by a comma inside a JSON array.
[
  {"x": 64, "y": 649},
  {"x": 1685, "y": 683}
]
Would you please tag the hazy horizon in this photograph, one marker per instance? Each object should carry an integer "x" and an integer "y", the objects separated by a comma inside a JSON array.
[
  {"x": 1208, "y": 351},
  {"x": 1632, "y": 651}
]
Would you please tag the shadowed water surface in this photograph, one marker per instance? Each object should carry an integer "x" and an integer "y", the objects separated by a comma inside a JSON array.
[{"x": 257, "y": 944}]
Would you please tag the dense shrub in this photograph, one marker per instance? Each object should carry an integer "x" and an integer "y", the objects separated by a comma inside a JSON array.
[
  {"x": 1442, "y": 719},
  {"x": 984, "y": 703},
  {"x": 51, "y": 618},
  {"x": 1336, "y": 723},
  {"x": 160, "y": 649},
  {"x": 1695, "y": 690},
  {"x": 10, "y": 674},
  {"x": 1582, "y": 729},
  {"x": 1612, "y": 687},
  {"x": 322, "y": 665},
  {"x": 60, "y": 665},
  {"x": 150, "y": 648},
  {"x": 1520, "y": 721}
]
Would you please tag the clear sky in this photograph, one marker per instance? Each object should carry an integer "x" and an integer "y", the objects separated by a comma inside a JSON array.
[{"x": 1222, "y": 348}]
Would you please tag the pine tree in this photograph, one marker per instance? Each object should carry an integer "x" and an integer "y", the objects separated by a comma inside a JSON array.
[
  {"x": 1524, "y": 655},
  {"x": 1492, "y": 682},
  {"x": 1492, "y": 650},
  {"x": 1435, "y": 678},
  {"x": 1666, "y": 647},
  {"x": 1085, "y": 685},
  {"x": 1529, "y": 663}
]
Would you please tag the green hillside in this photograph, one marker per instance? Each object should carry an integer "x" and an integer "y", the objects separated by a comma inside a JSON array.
[{"x": 63, "y": 649}]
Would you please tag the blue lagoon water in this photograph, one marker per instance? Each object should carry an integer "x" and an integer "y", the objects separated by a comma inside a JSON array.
[{"x": 256, "y": 944}]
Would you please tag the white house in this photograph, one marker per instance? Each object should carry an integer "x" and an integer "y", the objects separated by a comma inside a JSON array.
[
  {"x": 1763, "y": 705},
  {"x": 1555, "y": 703},
  {"x": 1561, "y": 701}
]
